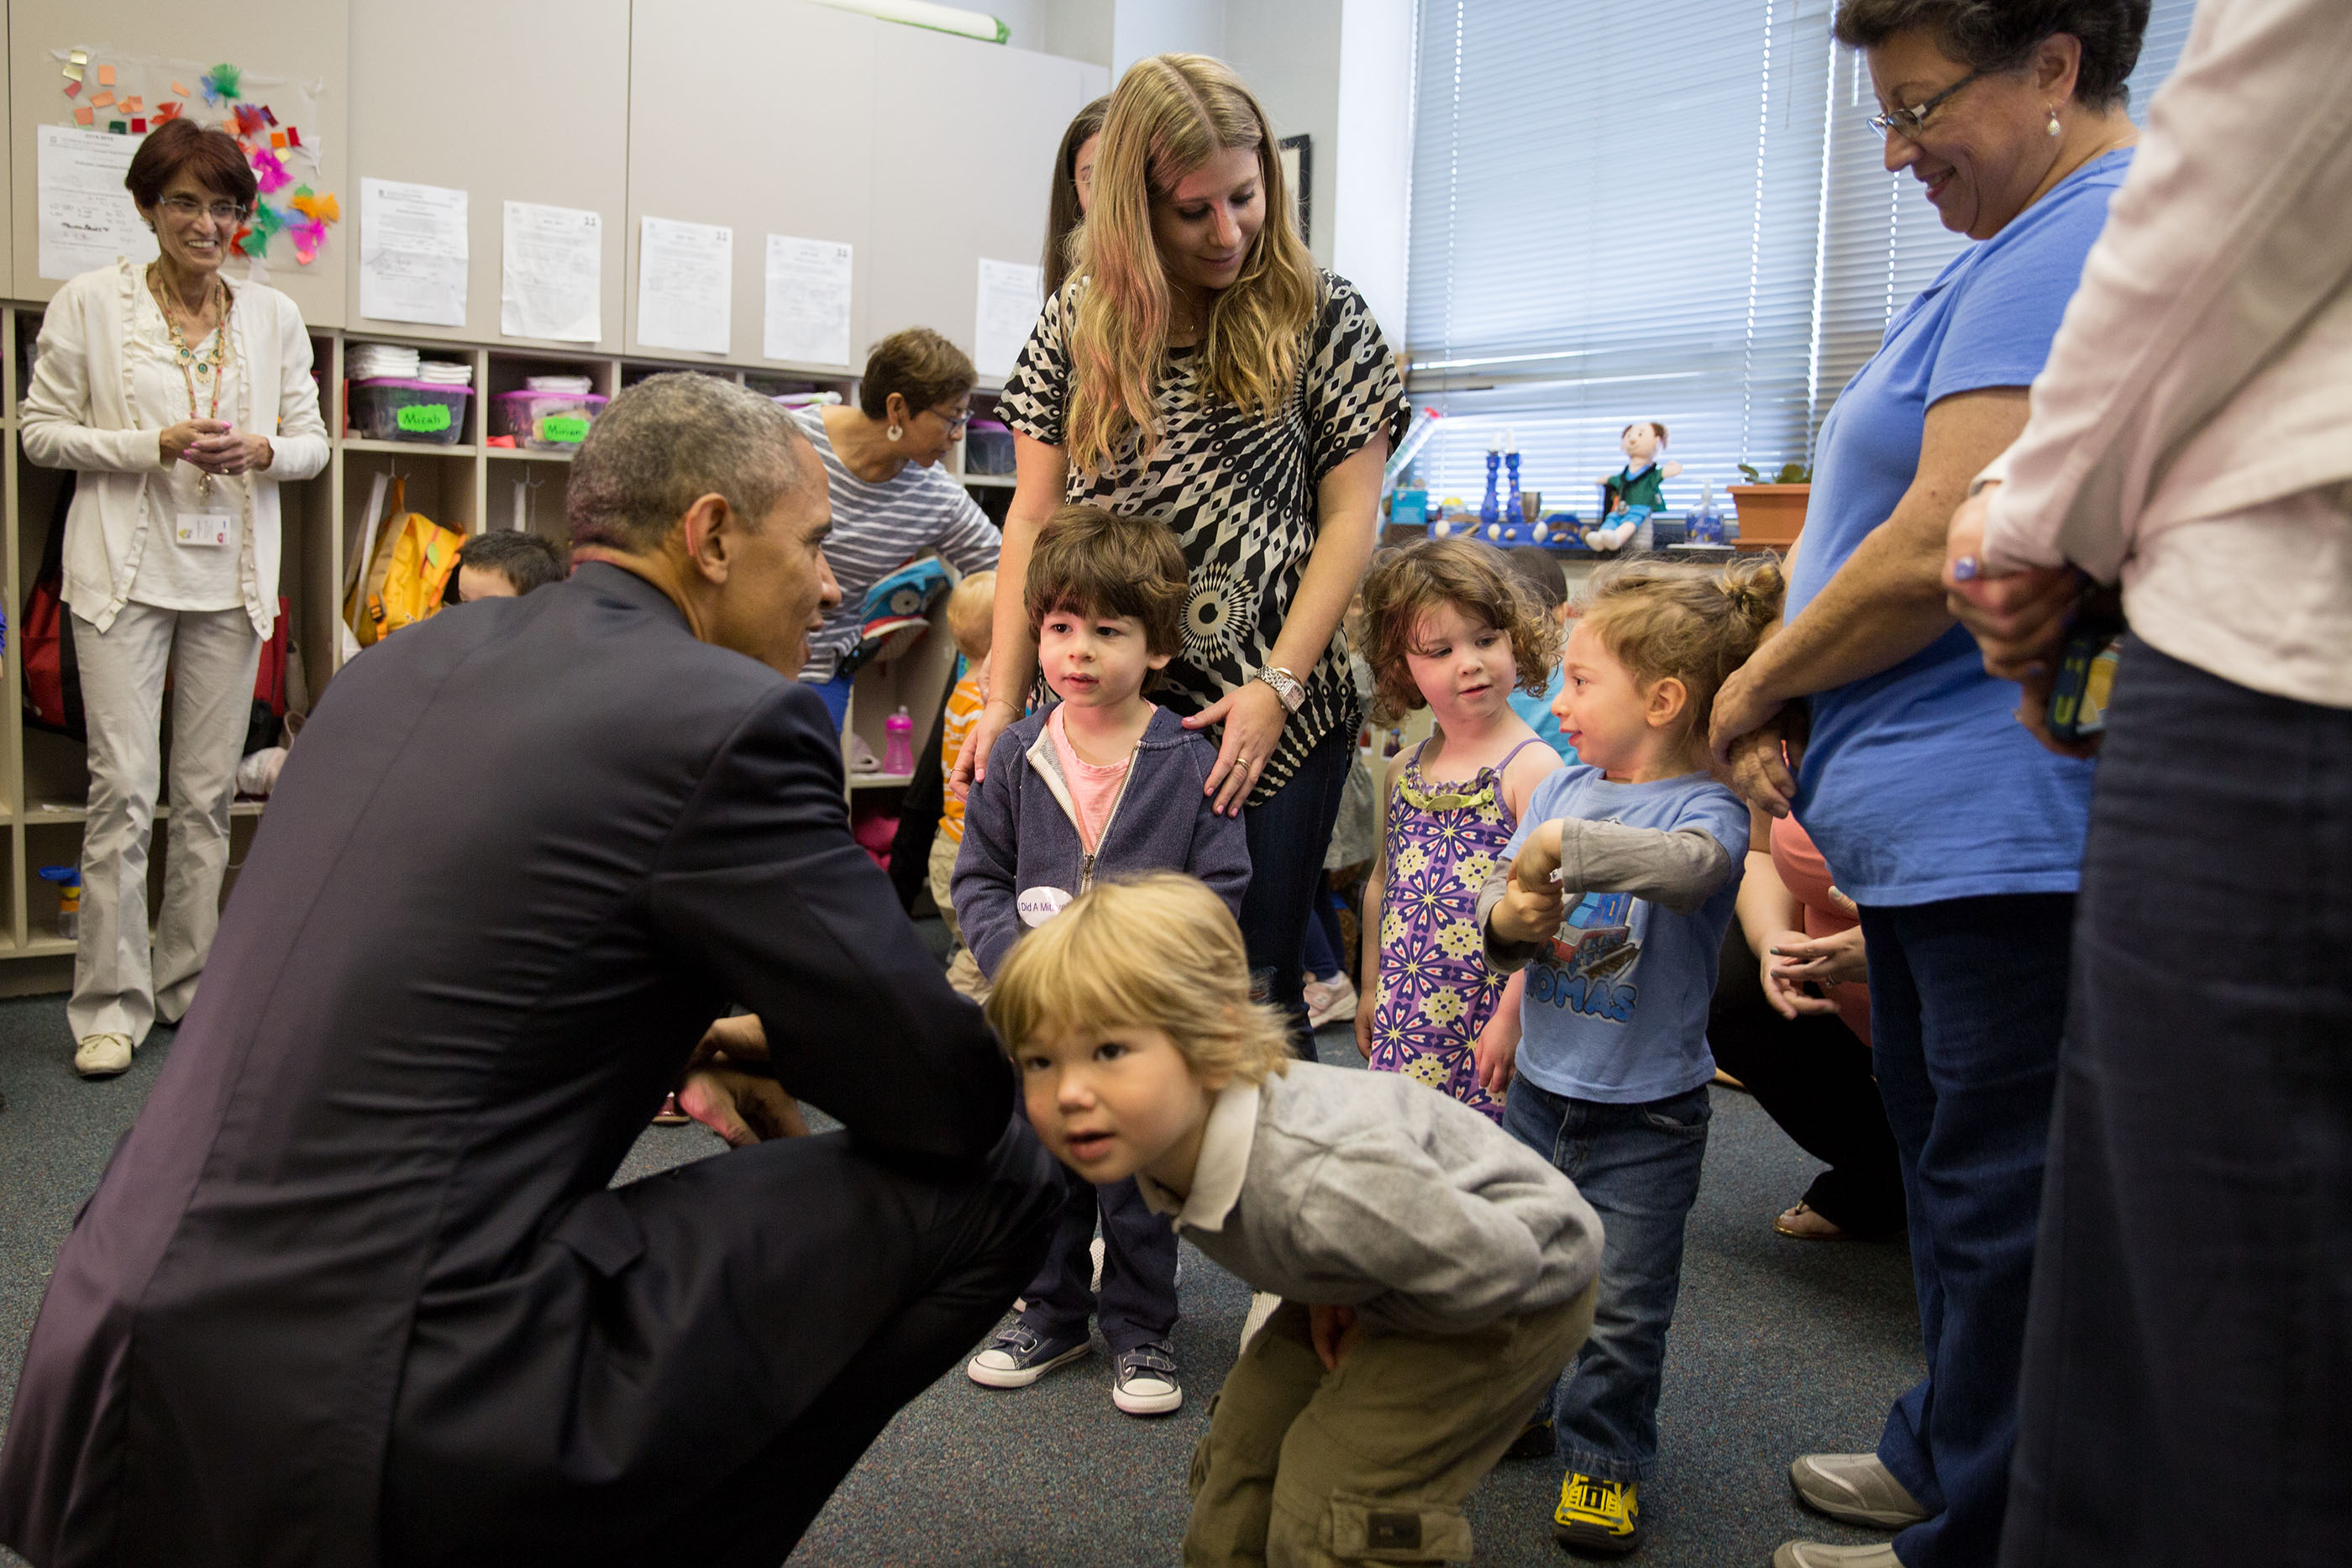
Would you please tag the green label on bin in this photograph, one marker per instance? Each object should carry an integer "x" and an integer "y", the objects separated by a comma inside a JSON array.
[
  {"x": 425, "y": 418},
  {"x": 570, "y": 429}
]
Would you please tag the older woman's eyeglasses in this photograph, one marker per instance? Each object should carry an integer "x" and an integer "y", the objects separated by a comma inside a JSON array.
[
  {"x": 955, "y": 422},
  {"x": 186, "y": 207},
  {"x": 1906, "y": 122}
]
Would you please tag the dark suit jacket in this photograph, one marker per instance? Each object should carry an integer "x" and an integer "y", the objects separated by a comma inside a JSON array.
[{"x": 524, "y": 852}]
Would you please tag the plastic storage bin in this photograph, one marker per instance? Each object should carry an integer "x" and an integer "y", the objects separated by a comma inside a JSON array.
[
  {"x": 544, "y": 421},
  {"x": 409, "y": 411},
  {"x": 987, "y": 447}
]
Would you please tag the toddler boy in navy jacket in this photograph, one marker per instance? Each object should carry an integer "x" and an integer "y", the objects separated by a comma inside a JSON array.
[{"x": 1102, "y": 781}]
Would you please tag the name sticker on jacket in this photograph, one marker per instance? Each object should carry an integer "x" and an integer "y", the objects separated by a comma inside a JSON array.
[
  {"x": 1039, "y": 904},
  {"x": 205, "y": 528}
]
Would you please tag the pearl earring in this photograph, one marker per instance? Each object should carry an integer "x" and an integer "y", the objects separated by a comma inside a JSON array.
[
  {"x": 2055, "y": 129},
  {"x": 894, "y": 433}
]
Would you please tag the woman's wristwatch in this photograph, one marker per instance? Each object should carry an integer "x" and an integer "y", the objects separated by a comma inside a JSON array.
[{"x": 1286, "y": 686}]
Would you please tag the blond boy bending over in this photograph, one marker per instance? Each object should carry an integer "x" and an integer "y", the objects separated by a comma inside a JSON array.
[{"x": 1436, "y": 1275}]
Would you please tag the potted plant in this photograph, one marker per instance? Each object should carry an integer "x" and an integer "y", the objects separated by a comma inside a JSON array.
[{"x": 1772, "y": 511}]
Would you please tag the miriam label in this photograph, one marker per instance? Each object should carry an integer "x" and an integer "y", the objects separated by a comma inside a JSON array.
[{"x": 570, "y": 429}]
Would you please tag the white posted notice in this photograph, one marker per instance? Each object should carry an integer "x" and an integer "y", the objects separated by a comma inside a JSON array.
[
  {"x": 412, "y": 252},
  {"x": 87, "y": 217},
  {"x": 685, "y": 278},
  {"x": 1011, "y": 293},
  {"x": 552, "y": 275},
  {"x": 808, "y": 301}
]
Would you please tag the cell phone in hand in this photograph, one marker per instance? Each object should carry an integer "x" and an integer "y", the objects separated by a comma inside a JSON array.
[{"x": 2085, "y": 685}]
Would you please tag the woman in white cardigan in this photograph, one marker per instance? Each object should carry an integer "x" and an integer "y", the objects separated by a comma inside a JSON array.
[{"x": 182, "y": 400}]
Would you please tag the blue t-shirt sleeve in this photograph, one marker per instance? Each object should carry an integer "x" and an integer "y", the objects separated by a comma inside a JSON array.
[
  {"x": 1723, "y": 815},
  {"x": 1547, "y": 804},
  {"x": 2009, "y": 305}
]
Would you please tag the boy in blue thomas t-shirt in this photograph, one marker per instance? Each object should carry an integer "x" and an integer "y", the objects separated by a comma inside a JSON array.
[{"x": 1625, "y": 872}]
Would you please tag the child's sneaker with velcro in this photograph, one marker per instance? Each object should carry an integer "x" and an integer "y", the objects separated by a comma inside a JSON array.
[
  {"x": 1019, "y": 1355},
  {"x": 1597, "y": 1515}
]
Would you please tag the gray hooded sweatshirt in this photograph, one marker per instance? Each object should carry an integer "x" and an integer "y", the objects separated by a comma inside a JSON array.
[{"x": 1023, "y": 858}]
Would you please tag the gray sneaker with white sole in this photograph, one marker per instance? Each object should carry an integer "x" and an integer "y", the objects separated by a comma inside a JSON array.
[
  {"x": 1144, "y": 1381},
  {"x": 1018, "y": 1356}
]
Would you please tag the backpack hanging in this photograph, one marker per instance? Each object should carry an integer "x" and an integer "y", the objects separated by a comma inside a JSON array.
[{"x": 408, "y": 564}]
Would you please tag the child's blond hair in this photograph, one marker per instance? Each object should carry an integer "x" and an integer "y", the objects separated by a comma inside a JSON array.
[
  {"x": 1407, "y": 583},
  {"x": 1155, "y": 951},
  {"x": 1693, "y": 623},
  {"x": 972, "y": 614}
]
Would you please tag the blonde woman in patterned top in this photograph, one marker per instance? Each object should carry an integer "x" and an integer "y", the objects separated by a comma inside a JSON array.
[
  {"x": 1200, "y": 370},
  {"x": 1449, "y": 626}
]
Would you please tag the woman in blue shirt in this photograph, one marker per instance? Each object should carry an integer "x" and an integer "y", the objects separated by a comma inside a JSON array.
[{"x": 1958, "y": 836}]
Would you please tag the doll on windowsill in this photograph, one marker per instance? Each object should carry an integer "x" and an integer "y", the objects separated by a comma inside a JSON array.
[{"x": 1636, "y": 491}]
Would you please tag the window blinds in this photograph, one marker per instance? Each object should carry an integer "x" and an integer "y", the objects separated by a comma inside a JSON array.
[
  {"x": 1671, "y": 211},
  {"x": 1612, "y": 219}
]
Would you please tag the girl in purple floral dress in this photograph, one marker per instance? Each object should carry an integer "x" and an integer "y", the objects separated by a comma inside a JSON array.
[{"x": 1446, "y": 626}]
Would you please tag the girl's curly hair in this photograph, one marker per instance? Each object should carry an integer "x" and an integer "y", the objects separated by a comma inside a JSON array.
[{"x": 1408, "y": 583}]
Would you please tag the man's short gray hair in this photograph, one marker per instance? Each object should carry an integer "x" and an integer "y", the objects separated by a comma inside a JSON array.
[{"x": 669, "y": 439}]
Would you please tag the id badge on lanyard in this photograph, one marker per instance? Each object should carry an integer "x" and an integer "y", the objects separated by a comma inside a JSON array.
[{"x": 202, "y": 529}]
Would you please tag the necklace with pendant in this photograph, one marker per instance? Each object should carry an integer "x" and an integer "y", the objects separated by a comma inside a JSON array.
[{"x": 208, "y": 364}]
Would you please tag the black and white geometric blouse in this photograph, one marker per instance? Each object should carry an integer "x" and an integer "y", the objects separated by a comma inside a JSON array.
[{"x": 1240, "y": 494}]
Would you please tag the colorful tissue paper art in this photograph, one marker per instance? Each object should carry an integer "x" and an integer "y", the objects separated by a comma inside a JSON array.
[
  {"x": 166, "y": 110},
  {"x": 269, "y": 146},
  {"x": 106, "y": 76},
  {"x": 83, "y": 116}
]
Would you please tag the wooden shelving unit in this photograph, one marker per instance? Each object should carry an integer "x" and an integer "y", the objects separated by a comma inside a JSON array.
[{"x": 44, "y": 778}]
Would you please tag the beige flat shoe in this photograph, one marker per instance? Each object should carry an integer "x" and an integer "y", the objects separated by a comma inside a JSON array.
[
  {"x": 1854, "y": 1489},
  {"x": 1807, "y": 1223},
  {"x": 1815, "y": 1554},
  {"x": 102, "y": 1055}
]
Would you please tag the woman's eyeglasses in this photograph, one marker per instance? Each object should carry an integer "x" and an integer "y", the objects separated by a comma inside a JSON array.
[
  {"x": 1906, "y": 122},
  {"x": 954, "y": 421},
  {"x": 186, "y": 207}
]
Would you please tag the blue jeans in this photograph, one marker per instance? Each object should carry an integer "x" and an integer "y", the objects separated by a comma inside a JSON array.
[
  {"x": 1638, "y": 1166},
  {"x": 836, "y": 693},
  {"x": 1968, "y": 999},
  {"x": 2191, "y": 1325}
]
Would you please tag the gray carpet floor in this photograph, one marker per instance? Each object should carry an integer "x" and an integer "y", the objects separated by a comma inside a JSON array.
[{"x": 1779, "y": 1347}]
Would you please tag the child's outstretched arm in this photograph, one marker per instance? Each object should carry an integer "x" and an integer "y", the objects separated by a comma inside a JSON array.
[{"x": 1680, "y": 868}]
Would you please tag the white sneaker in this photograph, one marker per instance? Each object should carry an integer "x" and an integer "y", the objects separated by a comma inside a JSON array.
[
  {"x": 1330, "y": 1001},
  {"x": 102, "y": 1055},
  {"x": 1093, "y": 1285}
]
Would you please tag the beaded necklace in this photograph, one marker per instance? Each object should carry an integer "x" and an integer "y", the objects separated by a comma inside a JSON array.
[{"x": 192, "y": 364}]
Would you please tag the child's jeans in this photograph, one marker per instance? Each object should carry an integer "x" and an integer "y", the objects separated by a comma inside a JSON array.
[
  {"x": 1638, "y": 1166},
  {"x": 1368, "y": 1463}
]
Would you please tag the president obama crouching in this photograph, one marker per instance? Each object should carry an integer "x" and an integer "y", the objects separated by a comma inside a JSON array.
[{"x": 353, "y": 1289}]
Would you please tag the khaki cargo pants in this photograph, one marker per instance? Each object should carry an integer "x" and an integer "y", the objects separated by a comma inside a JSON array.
[{"x": 1307, "y": 1468}]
